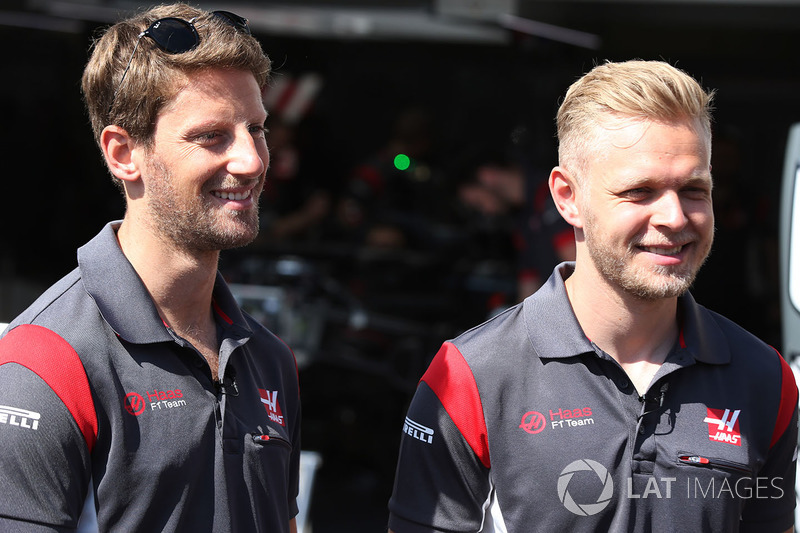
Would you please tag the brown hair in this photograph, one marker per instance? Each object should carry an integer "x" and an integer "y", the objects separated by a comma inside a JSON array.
[
  {"x": 155, "y": 76},
  {"x": 646, "y": 90}
]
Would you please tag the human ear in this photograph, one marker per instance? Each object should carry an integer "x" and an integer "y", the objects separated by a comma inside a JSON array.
[
  {"x": 565, "y": 191},
  {"x": 118, "y": 146}
]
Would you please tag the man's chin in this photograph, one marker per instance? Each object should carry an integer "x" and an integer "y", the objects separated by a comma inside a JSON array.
[{"x": 659, "y": 287}]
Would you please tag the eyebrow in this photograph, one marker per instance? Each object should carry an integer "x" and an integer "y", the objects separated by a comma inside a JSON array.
[{"x": 700, "y": 178}]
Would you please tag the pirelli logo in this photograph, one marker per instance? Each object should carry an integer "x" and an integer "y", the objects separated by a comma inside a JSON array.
[
  {"x": 418, "y": 431},
  {"x": 22, "y": 418}
]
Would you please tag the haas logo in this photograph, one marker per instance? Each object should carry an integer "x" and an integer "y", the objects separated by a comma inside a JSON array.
[
  {"x": 134, "y": 403},
  {"x": 723, "y": 426},
  {"x": 270, "y": 401},
  {"x": 533, "y": 422}
]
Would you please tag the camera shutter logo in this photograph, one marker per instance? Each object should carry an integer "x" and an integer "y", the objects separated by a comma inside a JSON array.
[{"x": 585, "y": 509}]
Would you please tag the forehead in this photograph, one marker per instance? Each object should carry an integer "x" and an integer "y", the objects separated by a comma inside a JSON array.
[
  {"x": 635, "y": 149},
  {"x": 214, "y": 90}
]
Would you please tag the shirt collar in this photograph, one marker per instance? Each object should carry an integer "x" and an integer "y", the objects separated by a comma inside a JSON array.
[
  {"x": 122, "y": 299},
  {"x": 702, "y": 335},
  {"x": 556, "y": 333}
]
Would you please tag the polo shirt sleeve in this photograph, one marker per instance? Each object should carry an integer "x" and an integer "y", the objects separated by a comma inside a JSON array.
[
  {"x": 45, "y": 406},
  {"x": 442, "y": 479},
  {"x": 772, "y": 506}
]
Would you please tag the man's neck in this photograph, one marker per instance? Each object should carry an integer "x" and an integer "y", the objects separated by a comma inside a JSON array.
[
  {"x": 637, "y": 333},
  {"x": 180, "y": 283}
]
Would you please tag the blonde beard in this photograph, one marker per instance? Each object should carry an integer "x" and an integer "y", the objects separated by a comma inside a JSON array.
[{"x": 655, "y": 283}]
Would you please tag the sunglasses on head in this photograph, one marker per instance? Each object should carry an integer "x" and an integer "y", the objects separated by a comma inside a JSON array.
[{"x": 177, "y": 36}]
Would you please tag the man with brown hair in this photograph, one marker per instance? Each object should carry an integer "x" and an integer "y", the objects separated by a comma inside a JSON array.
[
  {"x": 609, "y": 400},
  {"x": 137, "y": 376}
]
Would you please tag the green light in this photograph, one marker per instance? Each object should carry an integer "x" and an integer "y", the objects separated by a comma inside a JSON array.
[{"x": 402, "y": 162}]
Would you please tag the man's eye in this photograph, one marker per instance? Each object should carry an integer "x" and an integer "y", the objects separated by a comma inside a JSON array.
[
  {"x": 208, "y": 136},
  {"x": 637, "y": 193},
  {"x": 258, "y": 130},
  {"x": 696, "y": 192}
]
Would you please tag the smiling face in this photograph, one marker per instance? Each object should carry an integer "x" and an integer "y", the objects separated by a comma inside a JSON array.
[
  {"x": 646, "y": 207},
  {"x": 206, "y": 168}
]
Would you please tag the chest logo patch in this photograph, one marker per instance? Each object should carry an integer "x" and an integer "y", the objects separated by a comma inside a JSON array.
[
  {"x": 533, "y": 422},
  {"x": 270, "y": 401},
  {"x": 153, "y": 400},
  {"x": 723, "y": 426}
]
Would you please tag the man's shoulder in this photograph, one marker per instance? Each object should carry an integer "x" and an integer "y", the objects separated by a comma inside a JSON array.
[
  {"x": 747, "y": 362},
  {"x": 500, "y": 324},
  {"x": 53, "y": 305},
  {"x": 264, "y": 341},
  {"x": 739, "y": 340},
  {"x": 499, "y": 341}
]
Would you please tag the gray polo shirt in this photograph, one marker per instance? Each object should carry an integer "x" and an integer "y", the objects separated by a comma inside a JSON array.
[
  {"x": 94, "y": 385},
  {"x": 522, "y": 424}
]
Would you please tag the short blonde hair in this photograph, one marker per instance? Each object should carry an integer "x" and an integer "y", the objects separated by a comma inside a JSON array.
[{"x": 646, "y": 90}]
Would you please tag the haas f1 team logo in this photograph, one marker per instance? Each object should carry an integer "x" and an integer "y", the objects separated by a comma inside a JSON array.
[
  {"x": 134, "y": 403},
  {"x": 533, "y": 422},
  {"x": 153, "y": 400},
  {"x": 270, "y": 401},
  {"x": 723, "y": 426}
]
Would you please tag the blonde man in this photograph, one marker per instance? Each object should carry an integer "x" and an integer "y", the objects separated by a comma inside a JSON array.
[{"x": 609, "y": 400}]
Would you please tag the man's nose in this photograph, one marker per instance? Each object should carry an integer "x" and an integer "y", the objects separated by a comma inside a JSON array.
[
  {"x": 248, "y": 156},
  {"x": 668, "y": 211}
]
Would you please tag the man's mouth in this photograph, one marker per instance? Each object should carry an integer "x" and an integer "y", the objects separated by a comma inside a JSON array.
[
  {"x": 661, "y": 250},
  {"x": 224, "y": 195}
]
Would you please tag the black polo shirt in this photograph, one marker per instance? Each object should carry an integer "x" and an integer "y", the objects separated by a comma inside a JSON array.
[
  {"x": 94, "y": 385},
  {"x": 523, "y": 424}
]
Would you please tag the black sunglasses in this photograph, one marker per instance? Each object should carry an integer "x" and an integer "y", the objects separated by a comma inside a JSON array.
[{"x": 178, "y": 36}]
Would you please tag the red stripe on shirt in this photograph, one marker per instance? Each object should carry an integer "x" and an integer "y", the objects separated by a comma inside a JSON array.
[
  {"x": 221, "y": 313},
  {"x": 50, "y": 357},
  {"x": 788, "y": 401},
  {"x": 452, "y": 381}
]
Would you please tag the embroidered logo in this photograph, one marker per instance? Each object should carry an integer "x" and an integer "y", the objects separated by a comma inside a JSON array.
[
  {"x": 158, "y": 400},
  {"x": 270, "y": 401},
  {"x": 533, "y": 422},
  {"x": 19, "y": 417},
  {"x": 418, "y": 431},
  {"x": 723, "y": 426},
  {"x": 134, "y": 403}
]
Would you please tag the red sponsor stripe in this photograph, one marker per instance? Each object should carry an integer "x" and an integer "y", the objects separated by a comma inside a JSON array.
[
  {"x": 452, "y": 381},
  {"x": 788, "y": 400},
  {"x": 51, "y": 358}
]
